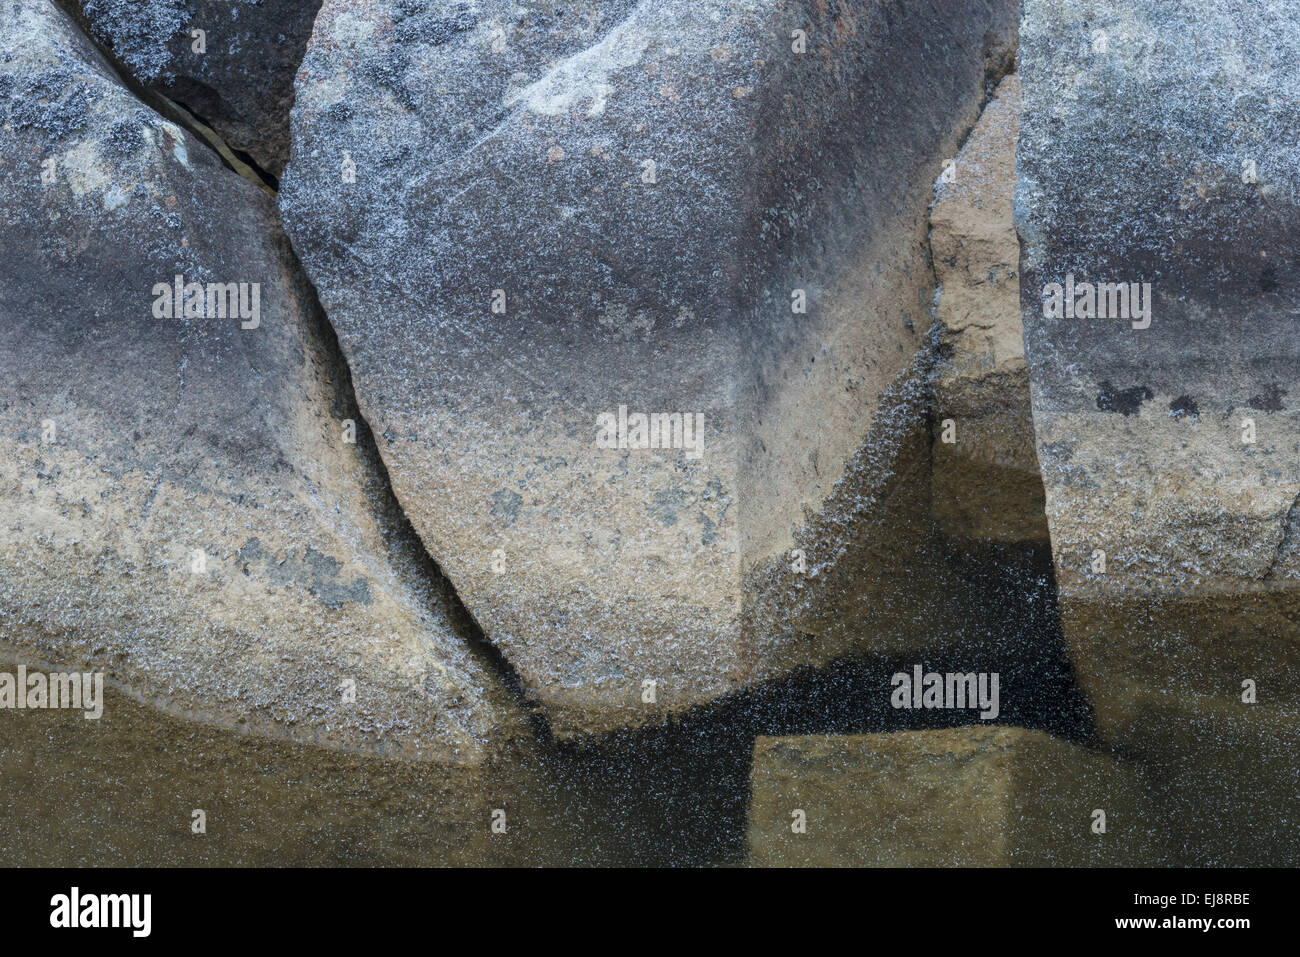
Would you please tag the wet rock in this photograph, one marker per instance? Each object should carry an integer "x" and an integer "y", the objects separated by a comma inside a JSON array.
[
  {"x": 1169, "y": 446},
  {"x": 986, "y": 484},
  {"x": 180, "y": 506},
  {"x": 960, "y": 797},
  {"x": 531, "y": 226},
  {"x": 230, "y": 62}
]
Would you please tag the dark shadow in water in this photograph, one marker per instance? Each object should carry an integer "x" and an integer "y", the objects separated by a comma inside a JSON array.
[{"x": 679, "y": 794}]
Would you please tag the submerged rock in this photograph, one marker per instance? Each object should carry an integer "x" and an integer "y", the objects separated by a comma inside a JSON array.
[
  {"x": 985, "y": 796},
  {"x": 230, "y": 62},
  {"x": 535, "y": 227},
  {"x": 986, "y": 484},
  {"x": 1160, "y": 156},
  {"x": 180, "y": 506}
]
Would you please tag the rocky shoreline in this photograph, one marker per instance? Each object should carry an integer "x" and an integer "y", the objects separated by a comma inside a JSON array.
[{"x": 496, "y": 433}]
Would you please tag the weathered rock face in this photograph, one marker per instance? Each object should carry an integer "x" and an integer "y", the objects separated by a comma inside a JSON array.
[
  {"x": 237, "y": 74},
  {"x": 179, "y": 506},
  {"x": 959, "y": 797},
  {"x": 529, "y": 223},
  {"x": 986, "y": 484},
  {"x": 1170, "y": 442}
]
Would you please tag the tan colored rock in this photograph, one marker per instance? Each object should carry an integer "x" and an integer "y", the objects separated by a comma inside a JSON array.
[
  {"x": 986, "y": 484},
  {"x": 960, "y": 797},
  {"x": 121, "y": 791}
]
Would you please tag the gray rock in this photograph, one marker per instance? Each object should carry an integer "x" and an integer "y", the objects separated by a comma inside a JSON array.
[
  {"x": 179, "y": 506},
  {"x": 1160, "y": 145},
  {"x": 237, "y": 75},
  {"x": 449, "y": 158}
]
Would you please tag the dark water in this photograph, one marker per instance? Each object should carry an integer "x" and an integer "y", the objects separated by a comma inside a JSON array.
[{"x": 122, "y": 790}]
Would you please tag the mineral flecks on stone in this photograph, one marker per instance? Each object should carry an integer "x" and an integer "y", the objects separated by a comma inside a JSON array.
[
  {"x": 179, "y": 504},
  {"x": 230, "y": 62},
  {"x": 521, "y": 218},
  {"x": 1160, "y": 144}
]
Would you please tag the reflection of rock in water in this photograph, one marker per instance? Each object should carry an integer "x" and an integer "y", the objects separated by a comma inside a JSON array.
[
  {"x": 121, "y": 790},
  {"x": 875, "y": 498},
  {"x": 987, "y": 796}
]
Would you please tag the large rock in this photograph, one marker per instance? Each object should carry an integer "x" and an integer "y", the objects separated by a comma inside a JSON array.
[
  {"x": 986, "y": 484},
  {"x": 237, "y": 74},
  {"x": 960, "y": 797},
  {"x": 1160, "y": 144},
  {"x": 522, "y": 218},
  {"x": 179, "y": 506}
]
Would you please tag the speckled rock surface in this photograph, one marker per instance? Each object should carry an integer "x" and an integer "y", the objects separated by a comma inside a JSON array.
[
  {"x": 1174, "y": 449},
  {"x": 984, "y": 796},
  {"x": 986, "y": 484},
  {"x": 240, "y": 82},
  {"x": 453, "y": 161},
  {"x": 178, "y": 505}
]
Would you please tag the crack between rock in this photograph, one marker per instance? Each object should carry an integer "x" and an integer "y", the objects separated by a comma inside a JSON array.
[
  {"x": 397, "y": 530},
  {"x": 394, "y": 523},
  {"x": 236, "y": 161}
]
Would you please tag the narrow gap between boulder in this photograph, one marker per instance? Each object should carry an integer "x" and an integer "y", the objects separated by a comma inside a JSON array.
[{"x": 235, "y": 160}]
